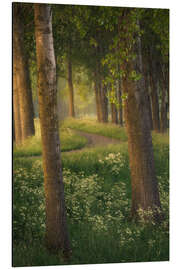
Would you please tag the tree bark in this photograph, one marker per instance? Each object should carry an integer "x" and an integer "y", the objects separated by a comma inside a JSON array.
[
  {"x": 154, "y": 96},
  {"x": 146, "y": 83},
  {"x": 102, "y": 101},
  {"x": 149, "y": 110},
  {"x": 145, "y": 194},
  {"x": 104, "y": 104},
  {"x": 120, "y": 109},
  {"x": 99, "y": 92},
  {"x": 163, "y": 112},
  {"x": 21, "y": 71},
  {"x": 70, "y": 86},
  {"x": 56, "y": 225},
  {"x": 114, "y": 112},
  {"x": 16, "y": 113},
  {"x": 114, "y": 118},
  {"x": 167, "y": 84},
  {"x": 97, "y": 98}
]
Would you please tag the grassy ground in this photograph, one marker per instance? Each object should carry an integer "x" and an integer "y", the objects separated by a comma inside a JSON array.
[
  {"x": 32, "y": 147},
  {"x": 91, "y": 126},
  {"x": 98, "y": 202}
]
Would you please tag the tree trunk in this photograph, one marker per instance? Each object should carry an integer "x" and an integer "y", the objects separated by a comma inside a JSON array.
[
  {"x": 114, "y": 118},
  {"x": 56, "y": 226},
  {"x": 97, "y": 99},
  {"x": 13, "y": 130},
  {"x": 154, "y": 105},
  {"x": 146, "y": 83},
  {"x": 167, "y": 88},
  {"x": 154, "y": 95},
  {"x": 16, "y": 113},
  {"x": 145, "y": 194},
  {"x": 149, "y": 110},
  {"x": 143, "y": 179},
  {"x": 21, "y": 71},
  {"x": 114, "y": 112},
  {"x": 101, "y": 90},
  {"x": 104, "y": 104},
  {"x": 120, "y": 109},
  {"x": 71, "y": 90},
  {"x": 100, "y": 102},
  {"x": 163, "y": 112}
]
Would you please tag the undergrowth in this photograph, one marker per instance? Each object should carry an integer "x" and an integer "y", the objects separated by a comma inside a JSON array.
[{"x": 98, "y": 202}]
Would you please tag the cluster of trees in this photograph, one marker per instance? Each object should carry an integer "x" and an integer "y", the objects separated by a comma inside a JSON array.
[
  {"x": 88, "y": 37},
  {"x": 22, "y": 94},
  {"x": 124, "y": 52},
  {"x": 95, "y": 33}
]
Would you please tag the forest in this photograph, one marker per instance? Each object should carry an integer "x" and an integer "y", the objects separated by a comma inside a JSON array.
[{"x": 90, "y": 134}]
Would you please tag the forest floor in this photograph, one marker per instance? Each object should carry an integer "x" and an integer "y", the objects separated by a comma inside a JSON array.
[{"x": 97, "y": 186}]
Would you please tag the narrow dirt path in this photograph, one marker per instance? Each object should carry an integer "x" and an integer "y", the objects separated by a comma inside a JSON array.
[{"x": 94, "y": 140}]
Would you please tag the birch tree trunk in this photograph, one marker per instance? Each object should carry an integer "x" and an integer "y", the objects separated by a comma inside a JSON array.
[{"x": 56, "y": 225}]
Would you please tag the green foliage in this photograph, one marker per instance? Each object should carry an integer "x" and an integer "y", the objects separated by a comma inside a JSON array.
[
  {"x": 135, "y": 76},
  {"x": 160, "y": 26}
]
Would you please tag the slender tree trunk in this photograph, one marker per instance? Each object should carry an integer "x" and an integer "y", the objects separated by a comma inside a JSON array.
[
  {"x": 120, "y": 109},
  {"x": 13, "y": 130},
  {"x": 99, "y": 94},
  {"x": 16, "y": 112},
  {"x": 114, "y": 117},
  {"x": 167, "y": 84},
  {"x": 21, "y": 71},
  {"x": 104, "y": 104},
  {"x": 163, "y": 113},
  {"x": 100, "y": 101},
  {"x": 99, "y": 85},
  {"x": 114, "y": 112},
  {"x": 145, "y": 193},
  {"x": 97, "y": 99},
  {"x": 71, "y": 90},
  {"x": 56, "y": 225},
  {"x": 101, "y": 91}
]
